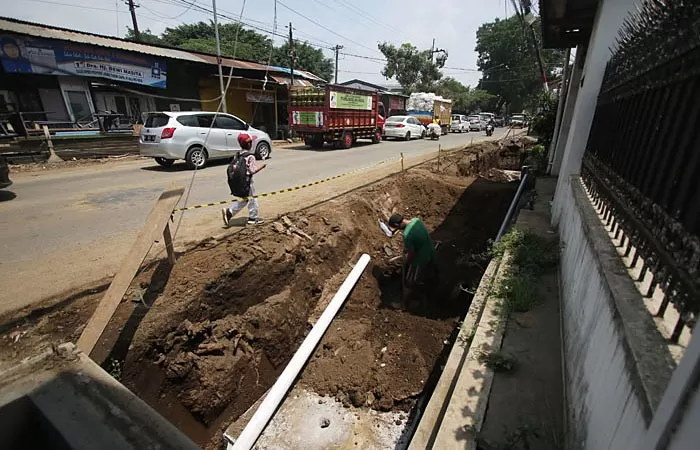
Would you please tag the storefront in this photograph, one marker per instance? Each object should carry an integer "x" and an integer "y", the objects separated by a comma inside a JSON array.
[
  {"x": 63, "y": 84},
  {"x": 247, "y": 100}
]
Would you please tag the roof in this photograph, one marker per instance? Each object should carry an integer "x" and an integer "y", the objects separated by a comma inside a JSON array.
[
  {"x": 567, "y": 23},
  {"x": 45, "y": 31},
  {"x": 373, "y": 87},
  {"x": 287, "y": 80}
]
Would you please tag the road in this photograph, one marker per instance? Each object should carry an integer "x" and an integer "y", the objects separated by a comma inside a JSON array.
[{"x": 67, "y": 228}]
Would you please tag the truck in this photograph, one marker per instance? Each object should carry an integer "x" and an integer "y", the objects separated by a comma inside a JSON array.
[
  {"x": 335, "y": 114},
  {"x": 394, "y": 104},
  {"x": 427, "y": 106}
]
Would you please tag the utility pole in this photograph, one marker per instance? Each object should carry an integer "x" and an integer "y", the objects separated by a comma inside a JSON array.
[
  {"x": 337, "y": 48},
  {"x": 525, "y": 7},
  {"x": 434, "y": 50},
  {"x": 132, "y": 9},
  {"x": 291, "y": 55},
  {"x": 218, "y": 58}
]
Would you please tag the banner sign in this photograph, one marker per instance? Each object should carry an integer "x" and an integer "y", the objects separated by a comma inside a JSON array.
[
  {"x": 343, "y": 100},
  {"x": 53, "y": 57},
  {"x": 259, "y": 97},
  {"x": 313, "y": 118}
]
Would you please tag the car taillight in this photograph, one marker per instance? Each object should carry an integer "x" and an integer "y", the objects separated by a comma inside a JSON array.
[
  {"x": 399, "y": 125},
  {"x": 167, "y": 133}
]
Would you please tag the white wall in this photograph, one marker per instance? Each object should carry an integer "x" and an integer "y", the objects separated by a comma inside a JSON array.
[
  {"x": 604, "y": 411},
  {"x": 610, "y": 15}
]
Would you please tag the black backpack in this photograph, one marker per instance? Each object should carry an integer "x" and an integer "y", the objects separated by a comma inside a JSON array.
[{"x": 237, "y": 174}]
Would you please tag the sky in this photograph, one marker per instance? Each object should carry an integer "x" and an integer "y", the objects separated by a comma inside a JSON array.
[{"x": 357, "y": 25}]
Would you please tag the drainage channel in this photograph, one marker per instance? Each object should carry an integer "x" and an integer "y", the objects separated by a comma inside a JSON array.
[{"x": 231, "y": 316}]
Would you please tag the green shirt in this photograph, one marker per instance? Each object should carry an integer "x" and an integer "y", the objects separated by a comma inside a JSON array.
[{"x": 417, "y": 239}]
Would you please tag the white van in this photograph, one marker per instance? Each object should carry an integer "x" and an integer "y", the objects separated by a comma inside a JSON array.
[{"x": 459, "y": 124}]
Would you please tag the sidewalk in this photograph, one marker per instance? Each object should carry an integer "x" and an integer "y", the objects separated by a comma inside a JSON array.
[
  {"x": 526, "y": 406},
  {"x": 501, "y": 387}
]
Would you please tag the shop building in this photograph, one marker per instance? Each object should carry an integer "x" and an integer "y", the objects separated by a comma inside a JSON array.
[{"x": 69, "y": 80}]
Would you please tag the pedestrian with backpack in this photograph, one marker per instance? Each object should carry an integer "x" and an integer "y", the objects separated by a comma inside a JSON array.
[{"x": 240, "y": 174}]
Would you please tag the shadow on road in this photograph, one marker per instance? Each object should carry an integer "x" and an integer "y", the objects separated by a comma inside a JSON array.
[
  {"x": 182, "y": 166},
  {"x": 6, "y": 196},
  {"x": 329, "y": 147}
]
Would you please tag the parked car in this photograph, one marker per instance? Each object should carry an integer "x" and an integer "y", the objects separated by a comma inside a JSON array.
[
  {"x": 500, "y": 121},
  {"x": 404, "y": 127},
  {"x": 475, "y": 123},
  {"x": 518, "y": 121},
  {"x": 4, "y": 174},
  {"x": 197, "y": 137},
  {"x": 459, "y": 124}
]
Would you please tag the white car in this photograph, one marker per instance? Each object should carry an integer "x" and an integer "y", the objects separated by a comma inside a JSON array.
[
  {"x": 459, "y": 124},
  {"x": 404, "y": 127},
  {"x": 476, "y": 124},
  {"x": 197, "y": 137}
]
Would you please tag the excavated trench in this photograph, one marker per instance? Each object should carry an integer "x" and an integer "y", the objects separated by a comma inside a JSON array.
[{"x": 231, "y": 316}]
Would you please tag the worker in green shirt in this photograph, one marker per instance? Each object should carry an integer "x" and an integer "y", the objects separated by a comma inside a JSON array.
[{"x": 420, "y": 264}]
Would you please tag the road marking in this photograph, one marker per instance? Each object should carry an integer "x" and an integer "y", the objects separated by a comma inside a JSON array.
[{"x": 285, "y": 190}]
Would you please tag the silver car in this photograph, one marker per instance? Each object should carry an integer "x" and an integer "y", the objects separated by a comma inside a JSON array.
[
  {"x": 197, "y": 137},
  {"x": 476, "y": 124},
  {"x": 459, "y": 123}
]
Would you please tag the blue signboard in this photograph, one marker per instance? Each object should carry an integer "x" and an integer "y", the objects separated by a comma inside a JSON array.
[{"x": 20, "y": 54}]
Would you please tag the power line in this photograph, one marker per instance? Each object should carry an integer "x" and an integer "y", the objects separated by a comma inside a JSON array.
[
  {"x": 361, "y": 13},
  {"x": 93, "y": 8},
  {"x": 322, "y": 26}
]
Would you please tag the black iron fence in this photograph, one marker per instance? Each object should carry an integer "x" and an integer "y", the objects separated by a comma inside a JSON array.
[{"x": 642, "y": 161}]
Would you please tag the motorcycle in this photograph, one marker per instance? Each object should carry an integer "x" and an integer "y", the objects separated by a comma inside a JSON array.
[
  {"x": 489, "y": 130},
  {"x": 434, "y": 131}
]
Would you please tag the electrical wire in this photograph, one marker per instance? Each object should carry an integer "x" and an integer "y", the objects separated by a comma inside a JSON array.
[
  {"x": 363, "y": 14},
  {"x": 323, "y": 26}
]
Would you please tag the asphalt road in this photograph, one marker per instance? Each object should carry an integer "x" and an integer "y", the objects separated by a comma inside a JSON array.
[{"x": 62, "y": 220}]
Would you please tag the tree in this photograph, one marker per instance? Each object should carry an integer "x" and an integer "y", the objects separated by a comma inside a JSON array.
[
  {"x": 508, "y": 63},
  {"x": 464, "y": 98},
  {"x": 307, "y": 58},
  {"x": 413, "y": 69},
  {"x": 236, "y": 40},
  {"x": 146, "y": 36}
]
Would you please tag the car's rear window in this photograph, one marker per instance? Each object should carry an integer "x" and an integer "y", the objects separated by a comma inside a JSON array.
[
  {"x": 396, "y": 119},
  {"x": 156, "y": 120},
  {"x": 188, "y": 121}
]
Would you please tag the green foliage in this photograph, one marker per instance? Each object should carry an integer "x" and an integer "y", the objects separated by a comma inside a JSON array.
[
  {"x": 532, "y": 256},
  {"x": 146, "y": 36},
  {"x": 544, "y": 121},
  {"x": 538, "y": 157},
  {"x": 499, "y": 361},
  {"x": 519, "y": 292},
  {"x": 307, "y": 58},
  {"x": 251, "y": 45},
  {"x": 414, "y": 69},
  {"x": 508, "y": 62},
  {"x": 464, "y": 98}
]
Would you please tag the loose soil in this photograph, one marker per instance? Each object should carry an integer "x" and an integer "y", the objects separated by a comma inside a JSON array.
[{"x": 228, "y": 317}]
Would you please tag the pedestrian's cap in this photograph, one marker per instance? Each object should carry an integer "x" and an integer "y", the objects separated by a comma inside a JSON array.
[
  {"x": 395, "y": 221},
  {"x": 244, "y": 139}
]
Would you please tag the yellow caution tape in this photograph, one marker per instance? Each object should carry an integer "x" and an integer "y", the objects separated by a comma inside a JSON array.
[{"x": 282, "y": 191}]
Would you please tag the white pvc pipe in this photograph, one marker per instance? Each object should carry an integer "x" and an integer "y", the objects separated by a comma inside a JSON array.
[{"x": 279, "y": 390}]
